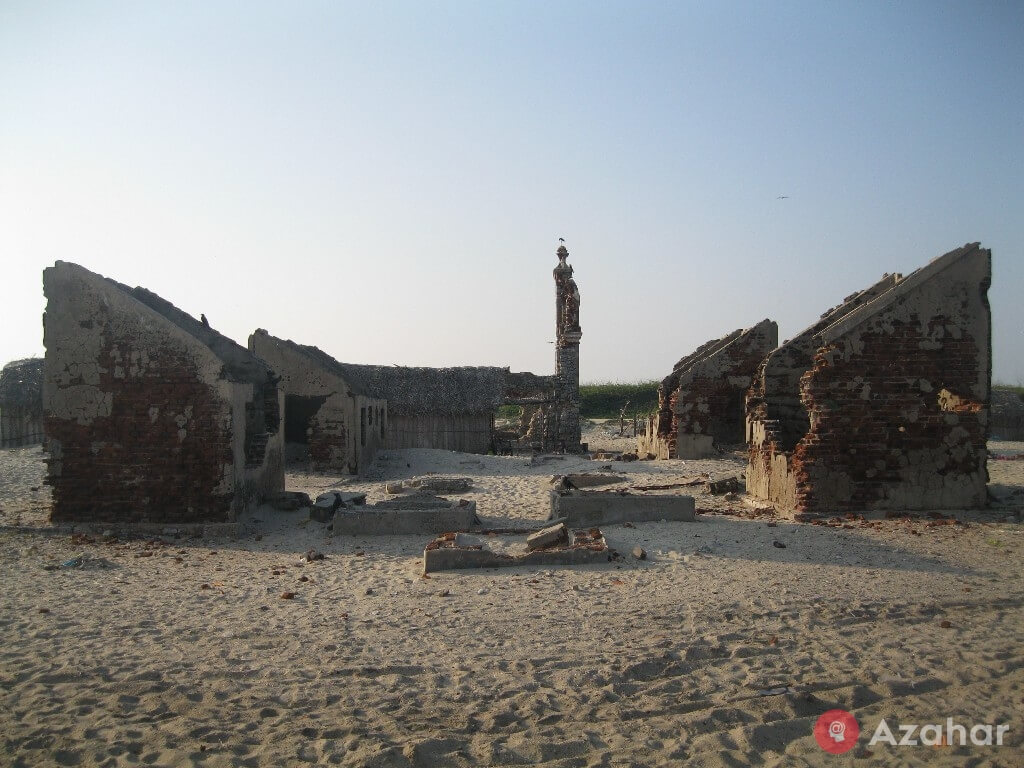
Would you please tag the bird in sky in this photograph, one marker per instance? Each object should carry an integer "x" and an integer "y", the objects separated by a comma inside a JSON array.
[{"x": 782, "y": 197}]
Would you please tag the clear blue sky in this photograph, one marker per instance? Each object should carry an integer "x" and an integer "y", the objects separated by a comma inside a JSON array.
[{"x": 388, "y": 180}]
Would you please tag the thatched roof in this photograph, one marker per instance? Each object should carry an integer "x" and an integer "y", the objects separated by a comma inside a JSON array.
[
  {"x": 21, "y": 384},
  {"x": 416, "y": 391}
]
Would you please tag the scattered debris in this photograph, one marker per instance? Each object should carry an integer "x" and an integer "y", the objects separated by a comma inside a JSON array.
[
  {"x": 723, "y": 486},
  {"x": 546, "y": 537},
  {"x": 287, "y": 501},
  {"x": 454, "y": 551},
  {"x": 668, "y": 486},
  {"x": 586, "y": 480},
  {"x": 431, "y": 485}
]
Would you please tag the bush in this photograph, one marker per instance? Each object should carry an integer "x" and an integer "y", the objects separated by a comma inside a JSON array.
[
  {"x": 1019, "y": 389},
  {"x": 605, "y": 400}
]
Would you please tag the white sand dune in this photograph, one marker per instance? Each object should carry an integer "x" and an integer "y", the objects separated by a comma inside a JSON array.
[{"x": 720, "y": 649}]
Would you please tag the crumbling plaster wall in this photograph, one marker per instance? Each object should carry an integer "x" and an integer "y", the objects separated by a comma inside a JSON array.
[
  {"x": 897, "y": 397},
  {"x": 338, "y": 438},
  {"x": 142, "y": 426},
  {"x": 700, "y": 404},
  {"x": 659, "y": 437},
  {"x": 709, "y": 404},
  {"x": 545, "y": 403},
  {"x": 775, "y": 393}
]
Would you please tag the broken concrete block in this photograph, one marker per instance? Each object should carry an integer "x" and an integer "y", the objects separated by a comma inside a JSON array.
[
  {"x": 322, "y": 512},
  {"x": 450, "y": 552},
  {"x": 351, "y": 498},
  {"x": 587, "y": 480},
  {"x": 286, "y": 501},
  {"x": 441, "y": 484},
  {"x": 395, "y": 487},
  {"x": 547, "y": 536},
  {"x": 337, "y": 499},
  {"x": 594, "y": 508},
  {"x": 725, "y": 485},
  {"x": 395, "y": 518}
]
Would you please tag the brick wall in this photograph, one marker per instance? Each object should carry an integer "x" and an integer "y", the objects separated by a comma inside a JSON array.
[
  {"x": 144, "y": 423},
  {"x": 891, "y": 409},
  {"x": 894, "y": 424},
  {"x": 701, "y": 403},
  {"x": 158, "y": 457}
]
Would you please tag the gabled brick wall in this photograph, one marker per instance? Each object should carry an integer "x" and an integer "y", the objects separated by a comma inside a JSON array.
[
  {"x": 895, "y": 398},
  {"x": 701, "y": 403},
  {"x": 145, "y": 422}
]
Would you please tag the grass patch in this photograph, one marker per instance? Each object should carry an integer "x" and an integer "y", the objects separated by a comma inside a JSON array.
[
  {"x": 509, "y": 412},
  {"x": 604, "y": 400},
  {"x": 1016, "y": 388}
]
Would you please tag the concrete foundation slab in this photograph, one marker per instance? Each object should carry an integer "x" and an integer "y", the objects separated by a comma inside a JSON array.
[
  {"x": 455, "y": 551},
  {"x": 382, "y": 520},
  {"x": 590, "y": 508},
  {"x": 588, "y": 479}
]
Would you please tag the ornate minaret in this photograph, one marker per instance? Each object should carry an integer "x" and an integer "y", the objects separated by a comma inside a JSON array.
[{"x": 567, "y": 351}]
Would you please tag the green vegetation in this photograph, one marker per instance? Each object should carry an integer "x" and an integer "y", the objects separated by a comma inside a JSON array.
[
  {"x": 509, "y": 412},
  {"x": 1018, "y": 388},
  {"x": 604, "y": 400}
]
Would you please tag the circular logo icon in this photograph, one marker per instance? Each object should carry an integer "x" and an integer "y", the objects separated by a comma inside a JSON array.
[{"x": 836, "y": 731}]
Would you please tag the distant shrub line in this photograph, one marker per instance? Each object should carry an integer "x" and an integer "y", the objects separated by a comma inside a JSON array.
[{"x": 605, "y": 400}]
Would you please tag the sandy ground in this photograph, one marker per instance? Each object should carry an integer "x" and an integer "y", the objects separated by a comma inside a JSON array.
[{"x": 720, "y": 649}]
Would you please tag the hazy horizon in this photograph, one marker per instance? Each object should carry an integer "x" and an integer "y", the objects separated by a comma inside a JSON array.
[{"x": 389, "y": 183}]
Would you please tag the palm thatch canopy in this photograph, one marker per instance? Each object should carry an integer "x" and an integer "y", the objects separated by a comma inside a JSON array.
[
  {"x": 21, "y": 384},
  {"x": 416, "y": 391}
]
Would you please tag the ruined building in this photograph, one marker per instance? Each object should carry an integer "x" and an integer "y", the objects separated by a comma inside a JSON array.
[
  {"x": 884, "y": 402},
  {"x": 151, "y": 415},
  {"x": 329, "y": 422},
  {"x": 343, "y": 413},
  {"x": 339, "y": 414},
  {"x": 21, "y": 403},
  {"x": 701, "y": 403}
]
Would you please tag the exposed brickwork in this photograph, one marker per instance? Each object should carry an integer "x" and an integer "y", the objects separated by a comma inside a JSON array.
[
  {"x": 160, "y": 455},
  {"x": 880, "y": 421},
  {"x": 324, "y": 411},
  {"x": 328, "y": 441},
  {"x": 151, "y": 416},
  {"x": 893, "y": 403},
  {"x": 701, "y": 402}
]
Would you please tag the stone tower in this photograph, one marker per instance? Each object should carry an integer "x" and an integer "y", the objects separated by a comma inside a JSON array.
[{"x": 567, "y": 351}]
